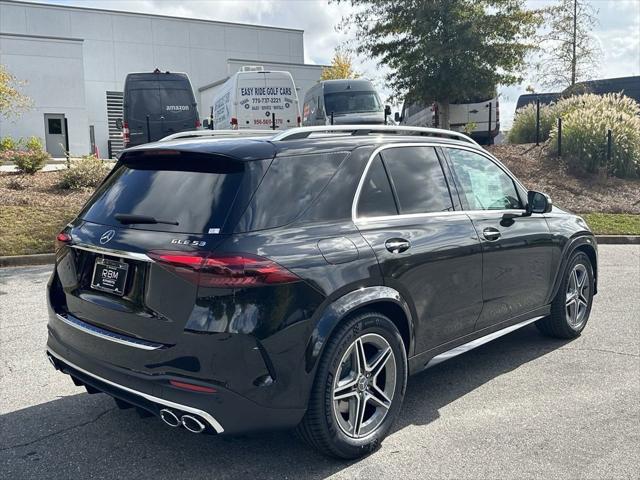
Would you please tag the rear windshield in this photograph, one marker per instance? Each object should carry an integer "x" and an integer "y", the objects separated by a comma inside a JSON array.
[
  {"x": 352, "y": 102},
  {"x": 196, "y": 191}
]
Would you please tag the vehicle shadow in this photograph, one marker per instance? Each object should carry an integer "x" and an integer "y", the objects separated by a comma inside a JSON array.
[{"x": 85, "y": 436}]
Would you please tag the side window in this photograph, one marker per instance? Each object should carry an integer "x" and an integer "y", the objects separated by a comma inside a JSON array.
[
  {"x": 376, "y": 198},
  {"x": 483, "y": 184},
  {"x": 416, "y": 175}
]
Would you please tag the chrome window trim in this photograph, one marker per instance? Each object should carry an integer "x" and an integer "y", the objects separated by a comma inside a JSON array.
[
  {"x": 487, "y": 155},
  {"x": 212, "y": 421},
  {"x": 112, "y": 337},
  {"x": 142, "y": 257}
]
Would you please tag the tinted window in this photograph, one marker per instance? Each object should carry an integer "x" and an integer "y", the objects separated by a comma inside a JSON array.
[
  {"x": 288, "y": 188},
  {"x": 483, "y": 184},
  {"x": 197, "y": 191},
  {"x": 418, "y": 180},
  {"x": 352, "y": 102},
  {"x": 144, "y": 102},
  {"x": 376, "y": 198},
  {"x": 55, "y": 126}
]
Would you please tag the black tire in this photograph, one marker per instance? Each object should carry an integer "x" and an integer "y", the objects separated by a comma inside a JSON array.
[
  {"x": 560, "y": 323},
  {"x": 320, "y": 427}
]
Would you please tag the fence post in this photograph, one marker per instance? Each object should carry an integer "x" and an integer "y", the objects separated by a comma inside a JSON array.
[
  {"x": 609, "y": 145},
  {"x": 559, "y": 137},
  {"x": 489, "y": 129},
  {"x": 538, "y": 121},
  {"x": 331, "y": 118}
]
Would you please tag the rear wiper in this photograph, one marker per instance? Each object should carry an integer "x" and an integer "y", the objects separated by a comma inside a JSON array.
[{"x": 128, "y": 219}]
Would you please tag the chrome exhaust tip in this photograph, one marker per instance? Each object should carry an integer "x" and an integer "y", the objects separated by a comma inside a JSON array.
[
  {"x": 169, "y": 418},
  {"x": 52, "y": 361},
  {"x": 192, "y": 424}
]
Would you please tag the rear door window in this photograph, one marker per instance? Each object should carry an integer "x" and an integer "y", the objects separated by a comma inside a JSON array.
[
  {"x": 417, "y": 179},
  {"x": 196, "y": 191},
  {"x": 143, "y": 102},
  {"x": 176, "y": 103},
  {"x": 376, "y": 197}
]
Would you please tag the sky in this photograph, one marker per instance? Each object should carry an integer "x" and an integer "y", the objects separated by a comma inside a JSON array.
[{"x": 617, "y": 32}]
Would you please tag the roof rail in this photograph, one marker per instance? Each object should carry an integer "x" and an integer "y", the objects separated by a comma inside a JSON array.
[
  {"x": 215, "y": 133},
  {"x": 305, "y": 132}
]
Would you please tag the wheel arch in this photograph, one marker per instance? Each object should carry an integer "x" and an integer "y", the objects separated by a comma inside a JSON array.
[
  {"x": 583, "y": 243},
  {"x": 385, "y": 300}
]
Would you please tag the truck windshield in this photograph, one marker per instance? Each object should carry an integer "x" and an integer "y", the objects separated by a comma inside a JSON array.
[{"x": 352, "y": 102}]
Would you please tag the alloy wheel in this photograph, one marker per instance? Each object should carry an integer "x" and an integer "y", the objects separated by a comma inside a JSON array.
[
  {"x": 577, "y": 299},
  {"x": 364, "y": 385}
]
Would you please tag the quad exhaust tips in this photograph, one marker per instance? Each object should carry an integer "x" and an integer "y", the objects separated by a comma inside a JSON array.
[
  {"x": 192, "y": 424},
  {"x": 189, "y": 422},
  {"x": 169, "y": 418}
]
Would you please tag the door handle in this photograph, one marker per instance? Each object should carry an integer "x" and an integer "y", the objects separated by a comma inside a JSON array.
[
  {"x": 397, "y": 245},
  {"x": 473, "y": 111},
  {"x": 491, "y": 234}
]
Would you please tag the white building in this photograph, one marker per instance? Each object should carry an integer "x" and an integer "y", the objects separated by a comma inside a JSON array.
[{"x": 74, "y": 62}]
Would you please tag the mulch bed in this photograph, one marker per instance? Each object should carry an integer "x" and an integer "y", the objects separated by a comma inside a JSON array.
[
  {"x": 569, "y": 190},
  {"x": 39, "y": 190}
]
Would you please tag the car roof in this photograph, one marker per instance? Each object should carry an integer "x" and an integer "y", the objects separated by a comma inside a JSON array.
[{"x": 258, "y": 148}]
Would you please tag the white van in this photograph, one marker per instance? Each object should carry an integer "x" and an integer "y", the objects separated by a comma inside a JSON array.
[
  {"x": 481, "y": 114},
  {"x": 256, "y": 99}
]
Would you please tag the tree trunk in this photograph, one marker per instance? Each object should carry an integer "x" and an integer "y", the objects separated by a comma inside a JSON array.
[{"x": 443, "y": 111}]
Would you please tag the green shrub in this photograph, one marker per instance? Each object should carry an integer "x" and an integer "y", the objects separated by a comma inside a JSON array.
[
  {"x": 585, "y": 122},
  {"x": 7, "y": 143},
  {"x": 524, "y": 124},
  {"x": 85, "y": 172},
  {"x": 27, "y": 155}
]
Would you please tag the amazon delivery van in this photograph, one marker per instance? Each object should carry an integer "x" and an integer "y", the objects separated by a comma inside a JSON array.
[{"x": 256, "y": 99}]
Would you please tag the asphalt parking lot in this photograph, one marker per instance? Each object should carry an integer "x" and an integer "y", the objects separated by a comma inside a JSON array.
[{"x": 523, "y": 406}]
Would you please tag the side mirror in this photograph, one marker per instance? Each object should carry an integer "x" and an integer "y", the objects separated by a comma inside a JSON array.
[
  {"x": 387, "y": 110},
  {"x": 205, "y": 124},
  {"x": 538, "y": 202},
  {"x": 119, "y": 123},
  {"x": 397, "y": 117}
]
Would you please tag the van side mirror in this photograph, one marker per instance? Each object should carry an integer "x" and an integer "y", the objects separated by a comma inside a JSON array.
[
  {"x": 538, "y": 202},
  {"x": 397, "y": 117},
  {"x": 119, "y": 123},
  {"x": 387, "y": 110},
  {"x": 205, "y": 124}
]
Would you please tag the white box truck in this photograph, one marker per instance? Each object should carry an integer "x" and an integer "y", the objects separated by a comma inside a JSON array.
[{"x": 254, "y": 98}]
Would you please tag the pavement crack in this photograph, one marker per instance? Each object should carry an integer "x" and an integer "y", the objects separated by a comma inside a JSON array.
[
  {"x": 603, "y": 350},
  {"x": 53, "y": 434}
]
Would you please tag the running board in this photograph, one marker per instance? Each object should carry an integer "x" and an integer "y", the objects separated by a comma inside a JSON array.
[{"x": 454, "y": 352}]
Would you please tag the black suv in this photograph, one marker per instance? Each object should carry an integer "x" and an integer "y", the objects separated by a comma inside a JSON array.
[{"x": 232, "y": 285}]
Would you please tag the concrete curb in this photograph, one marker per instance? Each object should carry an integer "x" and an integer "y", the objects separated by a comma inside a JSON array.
[
  {"x": 49, "y": 258},
  {"x": 25, "y": 260},
  {"x": 618, "y": 239}
]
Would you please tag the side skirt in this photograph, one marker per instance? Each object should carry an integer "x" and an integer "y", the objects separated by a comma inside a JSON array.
[{"x": 449, "y": 350}]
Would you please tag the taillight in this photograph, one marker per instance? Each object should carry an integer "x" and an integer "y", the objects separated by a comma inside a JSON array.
[
  {"x": 126, "y": 138},
  {"x": 224, "y": 270},
  {"x": 234, "y": 123},
  {"x": 62, "y": 239},
  {"x": 198, "y": 123}
]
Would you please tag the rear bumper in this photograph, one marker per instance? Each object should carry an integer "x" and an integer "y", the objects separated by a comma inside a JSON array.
[{"x": 78, "y": 354}]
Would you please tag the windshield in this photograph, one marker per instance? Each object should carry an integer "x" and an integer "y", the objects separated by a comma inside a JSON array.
[{"x": 352, "y": 102}]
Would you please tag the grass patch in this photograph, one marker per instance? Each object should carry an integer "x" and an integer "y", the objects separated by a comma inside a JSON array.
[
  {"x": 613, "y": 223},
  {"x": 32, "y": 229}
]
